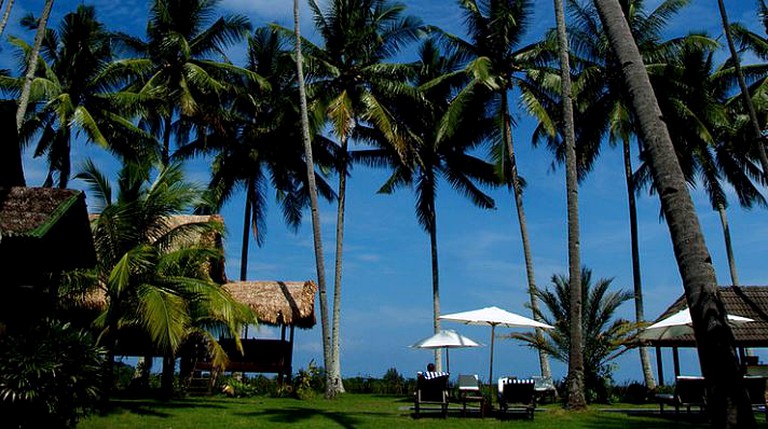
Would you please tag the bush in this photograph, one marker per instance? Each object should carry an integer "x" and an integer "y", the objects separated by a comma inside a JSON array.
[
  {"x": 49, "y": 375},
  {"x": 392, "y": 383},
  {"x": 633, "y": 393},
  {"x": 246, "y": 387},
  {"x": 309, "y": 382}
]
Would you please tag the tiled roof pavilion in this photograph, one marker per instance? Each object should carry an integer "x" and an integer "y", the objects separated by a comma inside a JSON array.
[{"x": 746, "y": 301}]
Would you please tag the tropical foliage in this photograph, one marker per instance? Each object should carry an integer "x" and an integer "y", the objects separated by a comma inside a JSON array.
[
  {"x": 449, "y": 116},
  {"x": 605, "y": 336},
  {"x": 50, "y": 375},
  {"x": 152, "y": 271}
]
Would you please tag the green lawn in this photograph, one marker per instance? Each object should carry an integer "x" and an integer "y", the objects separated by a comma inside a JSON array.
[{"x": 351, "y": 411}]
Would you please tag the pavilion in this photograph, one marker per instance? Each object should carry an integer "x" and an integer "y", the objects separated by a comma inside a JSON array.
[{"x": 745, "y": 301}]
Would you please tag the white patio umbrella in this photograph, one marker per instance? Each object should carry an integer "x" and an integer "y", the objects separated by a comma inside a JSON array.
[
  {"x": 445, "y": 339},
  {"x": 494, "y": 316},
  {"x": 680, "y": 324}
]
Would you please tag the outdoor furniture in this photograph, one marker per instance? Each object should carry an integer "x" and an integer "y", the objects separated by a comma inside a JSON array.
[
  {"x": 689, "y": 392},
  {"x": 544, "y": 388},
  {"x": 431, "y": 388},
  {"x": 517, "y": 394},
  {"x": 757, "y": 370},
  {"x": 470, "y": 392},
  {"x": 756, "y": 387}
]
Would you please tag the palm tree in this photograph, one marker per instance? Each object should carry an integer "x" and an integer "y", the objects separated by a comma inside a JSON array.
[
  {"x": 603, "y": 105},
  {"x": 151, "y": 284},
  {"x": 757, "y": 133},
  {"x": 73, "y": 97},
  {"x": 430, "y": 158},
  {"x": 696, "y": 99},
  {"x": 6, "y": 15},
  {"x": 716, "y": 347},
  {"x": 756, "y": 43},
  {"x": 497, "y": 62},
  {"x": 258, "y": 144},
  {"x": 358, "y": 36},
  {"x": 758, "y": 82},
  {"x": 174, "y": 69},
  {"x": 576, "y": 398},
  {"x": 316, "y": 227},
  {"x": 32, "y": 63},
  {"x": 605, "y": 337}
]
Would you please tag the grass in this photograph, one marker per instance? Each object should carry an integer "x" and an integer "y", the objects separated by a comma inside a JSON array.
[{"x": 357, "y": 411}]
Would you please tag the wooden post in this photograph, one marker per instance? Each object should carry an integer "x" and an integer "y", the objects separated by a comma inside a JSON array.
[
  {"x": 676, "y": 360},
  {"x": 289, "y": 358},
  {"x": 659, "y": 366}
]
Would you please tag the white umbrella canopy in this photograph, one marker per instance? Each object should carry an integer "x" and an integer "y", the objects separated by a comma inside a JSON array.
[
  {"x": 680, "y": 324},
  {"x": 494, "y": 316},
  {"x": 445, "y": 339}
]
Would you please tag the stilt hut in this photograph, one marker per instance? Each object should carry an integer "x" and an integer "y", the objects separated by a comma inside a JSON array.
[{"x": 285, "y": 304}]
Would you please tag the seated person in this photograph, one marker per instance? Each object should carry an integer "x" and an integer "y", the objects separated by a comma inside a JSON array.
[{"x": 430, "y": 373}]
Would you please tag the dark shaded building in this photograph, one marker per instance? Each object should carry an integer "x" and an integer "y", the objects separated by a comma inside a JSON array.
[{"x": 44, "y": 233}]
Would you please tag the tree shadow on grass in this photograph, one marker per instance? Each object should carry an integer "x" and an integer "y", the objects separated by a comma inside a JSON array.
[
  {"x": 295, "y": 415},
  {"x": 154, "y": 408},
  {"x": 640, "y": 420}
]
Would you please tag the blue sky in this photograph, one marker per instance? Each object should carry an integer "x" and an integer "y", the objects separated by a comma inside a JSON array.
[{"x": 387, "y": 282}]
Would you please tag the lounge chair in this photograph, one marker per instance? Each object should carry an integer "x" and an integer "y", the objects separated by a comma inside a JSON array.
[
  {"x": 689, "y": 392},
  {"x": 516, "y": 394},
  {"x": 757, "y": 389},
  {"x": 431, "y": 388},
  {"x": 544, "y": 388},
  {"x": 470, "y": 392}
]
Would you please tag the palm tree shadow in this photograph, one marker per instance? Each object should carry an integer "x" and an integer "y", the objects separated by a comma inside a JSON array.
[
  {"x": 152, "y": 407},
  {"x": 295, "y": 415},
  {"x": 682, "y": 420}
]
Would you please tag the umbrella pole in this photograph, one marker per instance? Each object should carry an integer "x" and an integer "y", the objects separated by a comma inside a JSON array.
[{"x": 490, "y": 369}]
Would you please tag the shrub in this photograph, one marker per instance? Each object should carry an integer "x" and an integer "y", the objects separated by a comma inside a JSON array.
[
  {"x": 49, "y": 375},
  {"x": 392, "y": 383},
  {"x": 309, "y": 381},
  {"x": 246, "y": 387}
]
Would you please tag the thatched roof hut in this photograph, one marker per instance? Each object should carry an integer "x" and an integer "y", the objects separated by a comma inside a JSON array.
[
  {"x": 196, "y": 238},
  {"x": 209, "y": 239},
  {"x": 278, "y": 302},
  {"x": 44, "y": 230}
]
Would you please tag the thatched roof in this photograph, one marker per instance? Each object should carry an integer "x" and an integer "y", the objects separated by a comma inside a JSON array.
[
  {"x": 746, "y": 301},
  {"x": 208, "y": 239},
  {"x": 278, "y": 302},
  {"x": 33, "y": 211},
  {"x": 44, "y": 229}
]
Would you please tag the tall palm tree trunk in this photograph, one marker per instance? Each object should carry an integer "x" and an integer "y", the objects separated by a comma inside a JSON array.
[
  {"x": 338, "y": 386},
  {"x": 576, "y": 394},
  {"x": 728, "y": 244},
  {"x": 166, "y": 376},
  {"x": 759, "y": 140},
  {"x": 727, "y": 397},
  {"x": 165, "y": 155},
  {"x": 316, "y": 235},
  {"x": 645, "y": 360},
  {"x": 6, "y": 15},
  {"x": 32, "y": 64},
  {"x": 246, "y": 233},
  {"x": 521, "y": 220},
  {"x": 435, "y": 284}
]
